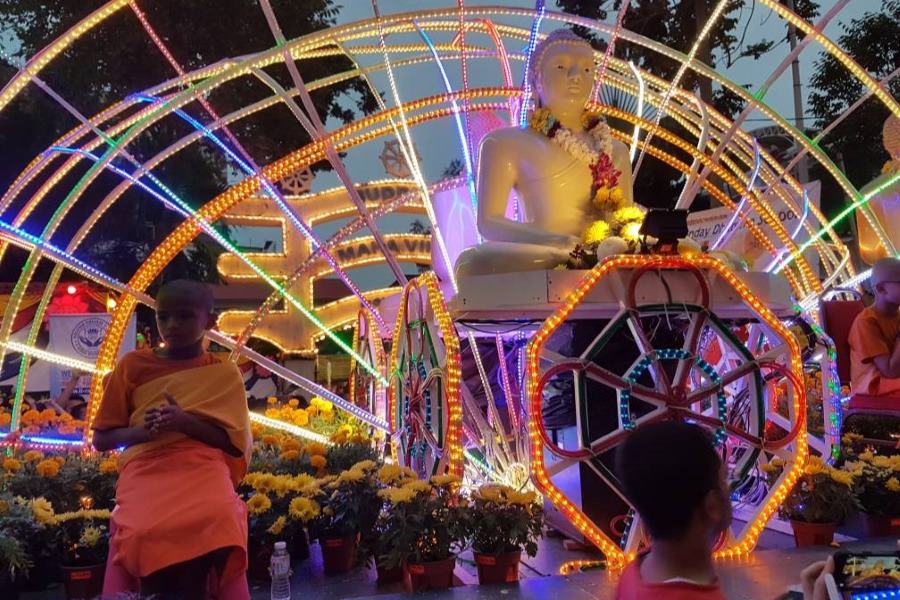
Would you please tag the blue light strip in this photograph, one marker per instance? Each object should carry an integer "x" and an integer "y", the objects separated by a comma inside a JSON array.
[
  {"x": 49, "y": 441},
  {"x": 526, "y": 75},
  {"x": 726, "y": 233},
  {"x": 460, "y": 128},
  {"x": 183, "y": 208}
]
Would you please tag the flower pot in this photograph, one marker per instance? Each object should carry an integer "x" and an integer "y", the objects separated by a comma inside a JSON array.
[
  {"x": 298, "y": 546},
  {"x": 813, "y": 534},
  {"x": 435, "y": 575},
  {"x": 83, "y": 583},
  {"x": 339, "y": 553},
  {"x": 498, "y": 568},
  {"x": 42, "y": 573},
  {"x": 258, "y": 558},
  {"x": 388, "y": 575},
  {"x": 878, "y": 526}
]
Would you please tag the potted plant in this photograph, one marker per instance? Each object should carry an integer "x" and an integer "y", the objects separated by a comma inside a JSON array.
[
  {"x": 817, "y": 503},
  {"x": 13, "y": 562},
  {"x": 349, "y": 507},
  {"x": 268, "y": 498},
  {"x": 504, "y": 522},
  {"x": 423, "y": 529},
  {"x": 876, "y": 491},
  {"x": 84, "y": 545}
]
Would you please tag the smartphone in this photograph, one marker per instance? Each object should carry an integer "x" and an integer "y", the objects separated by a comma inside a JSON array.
[{"x": 867, "y": 571}]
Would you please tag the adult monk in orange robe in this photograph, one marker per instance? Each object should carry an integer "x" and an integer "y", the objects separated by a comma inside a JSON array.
[
  {"x": 181, "y": 415},
  {"x": 874, "y": 347}
]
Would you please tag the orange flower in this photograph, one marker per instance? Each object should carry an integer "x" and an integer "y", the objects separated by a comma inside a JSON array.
[
  {"x": 47, "y": 468},
  {"x": 316, "y": 449},
  {"x": 5, "y": 419},
  {"x": 110, "y": 465},
  {"x": 318, "y": 462},
  {"x": 291, "y": 444},
  {"x": 290, "y": 455},
  {"x": 33, "y": 456},
  {"x": 31, "y": 416},
  {"x": 270, "y": 440},
  {"x": 11, "y": 465}
]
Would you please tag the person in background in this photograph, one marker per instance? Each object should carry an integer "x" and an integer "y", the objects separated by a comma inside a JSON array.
[
  {"x": 874, "y": 351},
  {"x": 67, "y": 401},
  {"x": 675, "y": 479},
  {"x": 180, "y": 413}
]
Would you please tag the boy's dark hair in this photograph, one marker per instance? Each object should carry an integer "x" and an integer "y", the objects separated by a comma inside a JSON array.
[
  {"x": 667, "y": 469},
  {"x": 199, "y": 292}
]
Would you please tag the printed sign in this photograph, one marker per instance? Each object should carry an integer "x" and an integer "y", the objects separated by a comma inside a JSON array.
[{"x": 80, "y": 337}]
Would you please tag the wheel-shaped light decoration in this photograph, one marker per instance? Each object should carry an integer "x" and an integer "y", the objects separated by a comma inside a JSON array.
[
  {"x": 366, "y": 390},
  {"x": 423, "y": 399},
  {"x": 652, "y": 362}
]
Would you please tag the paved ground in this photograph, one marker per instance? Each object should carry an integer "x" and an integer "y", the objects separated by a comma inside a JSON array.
[{"x": 765, "y": 576}]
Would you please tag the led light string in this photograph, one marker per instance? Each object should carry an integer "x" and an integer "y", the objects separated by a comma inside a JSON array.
[
  {"x": 676, "y": 81},
  {"x": 726, "y": 233},
  {"x": 610, "y": 46},
  {"x": 529, "y": 51}
]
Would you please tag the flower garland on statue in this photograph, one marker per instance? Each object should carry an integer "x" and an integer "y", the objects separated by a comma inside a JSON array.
[{"x": 623, "y": 222}]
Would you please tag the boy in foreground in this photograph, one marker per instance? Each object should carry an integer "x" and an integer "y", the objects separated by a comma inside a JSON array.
[
  {"x": 181, "y": 416},
  {"x": 676, "y": 481}
]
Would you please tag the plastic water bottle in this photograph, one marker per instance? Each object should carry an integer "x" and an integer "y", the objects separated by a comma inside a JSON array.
[{"x": 280, "y": 570}]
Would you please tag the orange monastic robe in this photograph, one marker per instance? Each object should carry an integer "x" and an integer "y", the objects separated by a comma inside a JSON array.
[
  {"x": 872, "y": 334},
  {"x": 176, "y": 499}
]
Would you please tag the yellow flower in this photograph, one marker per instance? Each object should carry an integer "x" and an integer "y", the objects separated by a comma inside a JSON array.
[
  {"x": 627, "y": 214},
  {"x": 389, "y": 473},
  {"x": 264, "y": 483},
  {"x": 338, "y": 438},
  {"x": 842, "y": 477},
  {"x": 110, "y": 465},
  {"x": 777, "y": 462},
  {"x": 299, "y": 417},
  {"x": 290, "y": 455},
  {"x": 47, "y": 468},
  {"x": 350, "y": 476},
  {"x": 359, "y": 438},
  {"x": 522, "y": 498},
  {"x": 492, "y": 492},
  {"x": 258, "y": 504},
  {"x": 272, "y": 400},
  {"x": 397, "y": 495},
  {"x": 316, "y": 449},
  {"x": 605, "y": 199},
  {"x": 321, "y": 404},
  {"x": 90, "y": 536},
  {"x": 311, "y": 489},
  {"x": 893, "y": 484},
  {"x": 631, "y": 232},
  {"x": 768, "y": 468},
  {"x": 867, "y": 456},
  {"x": 33, "y": 456},
  {"x": 417, "y": 486},
  {"x": 445, "y": 480},
  {"x": 815, "y": 466},
  {"x": 4, "y": 507},
  {"x": 540, "y": 120},
  {"x": 365, "y": 466},
  {"x": 11, "y": 465},
  {"x": 851, "y": 438},
  {"x": 278, "y": 526},
  {"x": 318, "y": 462},
  {"x": 596, "y": 232},
  {"x": 293, "y": 403},
  {"x": 42, "y": 510},
  {"x": 304, "y": 509},
  {"x": 302, "y": 480},
  {"x": 882, "y": 462},
  {"x": 616, "y": 196}
]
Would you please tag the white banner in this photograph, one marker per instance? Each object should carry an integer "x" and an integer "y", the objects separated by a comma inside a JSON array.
[
  {"x": 706, "y": 227},
  {"x": 79, "y": 336}
]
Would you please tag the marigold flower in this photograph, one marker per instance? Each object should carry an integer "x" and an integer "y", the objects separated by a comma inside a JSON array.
[
  {"x": 258, "y": 504},
  {"x": 289, "y": 455},
  {"x": 11, "y": 465},
  {"x": 270, "y": 440},
  {"x": 42, "y": 510},
  {"x": 316, "y": 449},
  {"x": 47, "y": 468},
  {"x": 365, "y": 466},
  {"x": 5, "y": 419},
  {"x": 304, "y": 509},
  {"x": 110, "y": 465},
  {"x": 893, "y": 484},
  {"x": 445, "y": 480},
  {"x": 291, "y": 444},
  {"x": 278, "y": 526},
  {"x": 33, "y": 456},
  {"x": 318, "y": 461}
]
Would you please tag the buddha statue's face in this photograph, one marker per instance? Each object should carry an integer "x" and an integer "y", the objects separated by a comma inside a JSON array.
[{"x": 566, "y": 77}]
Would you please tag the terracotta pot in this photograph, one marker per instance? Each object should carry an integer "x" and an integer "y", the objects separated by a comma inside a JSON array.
[
  {"x": 498, "y": 568},
  {"x": 298, "y": 546},
  {"x": 339, "y": 554},
  {"x": 813, "y": 534},
  {"x": 83, "y": 583},
  {"x": 876, "y": 526},
  {"x": 436, "y": 575},
  {"x": 259, "y": 556},
  {"x": 385, "y": 575}
]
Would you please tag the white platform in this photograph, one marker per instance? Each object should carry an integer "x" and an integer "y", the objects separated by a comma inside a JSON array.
[{"x": 535, "y": 295}]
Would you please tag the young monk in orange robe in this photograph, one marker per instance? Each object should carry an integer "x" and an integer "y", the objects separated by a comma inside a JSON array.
[
  {"x": 179, "y": 526},
  {"x": 874, "y": 337}
]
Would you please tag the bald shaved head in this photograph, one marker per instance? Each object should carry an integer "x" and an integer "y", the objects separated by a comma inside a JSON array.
[{"x": 198, "y": 294}]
